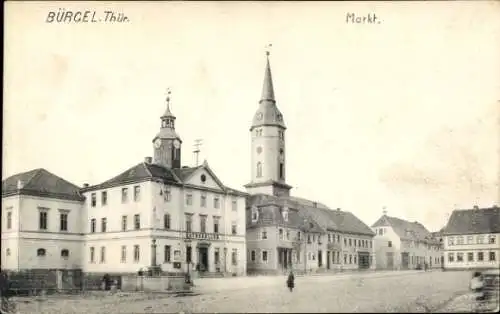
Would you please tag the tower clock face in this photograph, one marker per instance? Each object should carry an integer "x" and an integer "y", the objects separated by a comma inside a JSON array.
[
  {"x": 157, "y": 143},
  {"x": 259, "y": 116},
  {"x": 177, "y": 144}
]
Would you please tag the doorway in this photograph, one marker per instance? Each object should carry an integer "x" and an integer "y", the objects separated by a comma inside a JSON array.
[
  {"x": 320, "y": 258},
  {"x": 405, "y": 259},
  {"x": 328, "y": 260},
  {"x": 203, "y": 258}
]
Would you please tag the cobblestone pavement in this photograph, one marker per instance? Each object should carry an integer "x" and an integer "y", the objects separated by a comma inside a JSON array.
[{"x": 369, "y": 292}]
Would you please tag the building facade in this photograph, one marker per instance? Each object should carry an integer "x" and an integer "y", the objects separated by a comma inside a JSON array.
[
  {"x": 156, "y": 213},
  {"x": 471, "y": 239},
  {"x": 40, "y": 222},
  {"x": 400, "y": 244},
  {"x": 286, "y": 232}
]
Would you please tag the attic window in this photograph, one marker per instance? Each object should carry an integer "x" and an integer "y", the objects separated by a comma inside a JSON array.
[
  {"x": 65, "y": 253},
  {"x": 203, "y": 178},
  {"x": 40, "y": 252}
]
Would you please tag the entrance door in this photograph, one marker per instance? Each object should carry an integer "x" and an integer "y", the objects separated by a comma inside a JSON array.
[
  {"x": 328, "y": 259},
  {"x": 405, "y": 258},
  {"x": 390, "y": 260},
  {"x": 320, "y": 258},
  {"x": 203, "y": 258}
]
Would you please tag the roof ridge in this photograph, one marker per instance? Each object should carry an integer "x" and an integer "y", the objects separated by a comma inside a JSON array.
[
  {"x": 35, "y": 173},
  {"x": 147, "y": 169}
]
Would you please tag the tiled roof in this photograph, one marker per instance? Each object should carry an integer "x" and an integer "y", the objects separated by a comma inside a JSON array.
[
  {"x": 304, "y": 212},
  {"x": 474, "y": 221},
  {"x": 405, "y": 229},
  {"x": 41, "y": 182},
  {"x": 186, "y": 172}
]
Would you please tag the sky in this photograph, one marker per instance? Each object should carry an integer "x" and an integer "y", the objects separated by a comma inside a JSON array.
[{"x": 404, "y": 114}]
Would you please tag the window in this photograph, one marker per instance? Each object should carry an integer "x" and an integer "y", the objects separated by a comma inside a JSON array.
[
  {"x": 234, "y": 228},
  {"x": 203, "y": 200},
  {"x": 92, "y": 225},
  {"x": 43, "y": 220},
  {"x": 493, "y": 256},
  {"x": 480, "y": 256},
  {"x": 103, "y": 254},
  {"x": 216, "y": 224},
  {"x": 309, "y": 239},
  {"x": 345, "y": 259},
  {"x": 264, "y": 256},
  {"x": 470, "y": 239},
  {"x": 329, "y": 238},
  {"x": 350, "y": 259},
  {"x": 451, "y": 257},
  {"x": 259, "y": 169},
  {"x": 354, "y": 257},
  {"x": 137, "y": 193},
  {"x": 451, "y": 241},
  {"x": 371, "y": 243},
  {"x": 460, "y": 240},
  {"x": 93, "y": 200},
  {"x": 345, "y": 241},
  {"x": 9, "y": 220},
  {"x": 217, "y": 256},
  {"x": 166, "y": 253},
  {"x": 40, "y": 252},
  {"x": 350, "y": 242},
  {"x": 124, "y": 195},
  {"x": 264, "y": 235},
  {"x": 460, "y": 257},
  {"x": 166, "y": 221},
  {"x": 282, "y": 170},
  {"x": 64, "y": 253},
  {"x": 136, "y": 253},
  {"x": 252, "y": 256},
  {"x": 103, "y": 224},
  {"x": 234, "y": 205},
  {"x": 123, "y": 257},
  {"x": 124, "y": 223},
  {"x": 470, "y": 257},
  {"x": 280, "y": 231},
  {"x": 203, "y": 223},
  {"x": 380, "y": 231},
  {"x": 288, "y": 235},
  {"x": 234, "y": 257},
  {"x": 255, "y": 216},
  {"x": 216, "y": 202},
  {"x": 189, "y": 199},
  {"x": 92, "y": 254},
  {"x": 63, "y": 221},
  {"x": 480, "y": 239},
  {"x": 298, "y": 236},
  {"x": 104, "y": 198},
  {"x": 188, "y": 223},
  {"x": 167, "y": 196},
  {"x": 492, "y": 239},
  {"x": 389, "y": 243},
  {"x": 137, "y": 222},
  {"x": 7, "y": 252}
]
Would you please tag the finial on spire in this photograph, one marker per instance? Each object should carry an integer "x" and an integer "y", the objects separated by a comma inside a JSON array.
[
  {"x": 268, "y": 48},
  {"x": 267, "y": 89},
  {"x": 168, "y": 97},
  {"x": 384, "y": 210},
  {"x": 168, "y": 113}
]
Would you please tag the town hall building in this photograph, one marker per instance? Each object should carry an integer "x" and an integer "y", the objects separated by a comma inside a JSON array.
[
  {"x": 286, "y": 232},
  {"x": 157, "y": 213}
]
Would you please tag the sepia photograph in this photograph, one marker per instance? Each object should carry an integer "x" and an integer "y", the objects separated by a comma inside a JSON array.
[{"x": 251, "y": 157}]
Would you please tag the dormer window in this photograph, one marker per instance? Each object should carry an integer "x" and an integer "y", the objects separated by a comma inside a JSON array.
[
  {"x": 285, "y": 214},
  {"x": 40, "y": 252},
  {"x": 255, "y": 214}
]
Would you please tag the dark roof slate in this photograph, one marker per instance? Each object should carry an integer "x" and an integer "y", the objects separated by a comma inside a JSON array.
[
  {"x": 40, "y": 182},
  {"x": 473, "y": 221}
]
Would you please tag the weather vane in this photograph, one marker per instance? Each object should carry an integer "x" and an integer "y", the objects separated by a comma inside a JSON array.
[{"x": 268, "y": 48}]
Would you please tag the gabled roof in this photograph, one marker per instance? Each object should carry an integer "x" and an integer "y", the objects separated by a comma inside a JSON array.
[
  {"x": 406, "y": 230},
  {"x": 473, "y": 221},
  {"x": 40, "y": 182},
  {"x": 150, "y": 171},
  {"x": 306, "y": 212}
]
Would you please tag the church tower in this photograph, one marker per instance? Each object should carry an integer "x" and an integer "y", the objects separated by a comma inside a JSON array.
[
  {"x": 268, "y": 168},
  {"x": 167, "y": 144}
]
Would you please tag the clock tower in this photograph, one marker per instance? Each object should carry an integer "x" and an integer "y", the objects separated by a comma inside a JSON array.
[
  {"x": 167, "y": 144},
  {"x": 268, "y": 162}
]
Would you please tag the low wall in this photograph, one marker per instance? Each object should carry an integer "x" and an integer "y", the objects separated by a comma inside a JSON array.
[{"x": 149, "y": 284}]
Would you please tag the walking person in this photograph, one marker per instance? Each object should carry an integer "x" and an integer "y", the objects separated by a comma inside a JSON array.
[
  {"x": 290, "y": 282},
  {"x": 5, "y": 294}
]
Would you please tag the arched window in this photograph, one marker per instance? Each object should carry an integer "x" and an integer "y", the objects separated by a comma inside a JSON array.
[
  {"x": 40, "y": 252},
  {"x": 259, "y": 169},
  {"x": 7, "y": 252},
  {"x": 65, "y": 253}
]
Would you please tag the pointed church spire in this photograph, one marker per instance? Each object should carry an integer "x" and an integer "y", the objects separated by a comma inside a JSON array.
[{"x": 267, "y": 88}]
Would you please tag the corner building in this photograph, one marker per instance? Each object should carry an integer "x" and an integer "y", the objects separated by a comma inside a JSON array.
[{"x": 286, "y": 232}]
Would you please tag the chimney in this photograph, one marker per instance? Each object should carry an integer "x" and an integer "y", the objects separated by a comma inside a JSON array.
[
  {"x": 85, "y": 185},
  {"x": 148, "y": 160},
  {"x": 476, "y": 207},
  {"x": 495, "y": 206},
  {"x": 20, "y": 184}
]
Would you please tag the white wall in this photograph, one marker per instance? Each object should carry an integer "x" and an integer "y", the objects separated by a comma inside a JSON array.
[{"x": 473, "y": 248}]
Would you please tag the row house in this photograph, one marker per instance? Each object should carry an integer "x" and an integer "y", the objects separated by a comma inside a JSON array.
[
  {"x": 401, "y": 244},
  {"x": 471, "y": 239}
]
